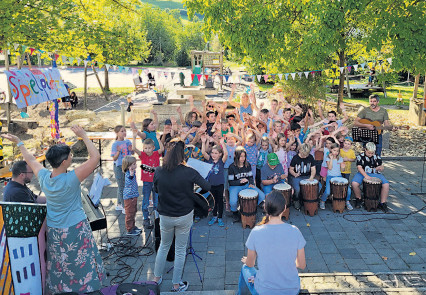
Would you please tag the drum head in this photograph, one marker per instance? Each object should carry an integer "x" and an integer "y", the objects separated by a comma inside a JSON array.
[
  {"x": 282, "y": 186},
  {"x": 310, "y": 182},
  {"x": 339, "y": 180},
  {"x": 373, "y": 180},
  {"x": 248, "y": 193}
]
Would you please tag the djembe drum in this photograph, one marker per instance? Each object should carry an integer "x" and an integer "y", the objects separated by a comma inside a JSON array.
[
  {"x": 339, "y": 192},
  {"x": 247, "y": 199},
  {"x": 309, "y": 189},
  {"x": 372, "y": 188},
  {"x": 285, "y": 189}
]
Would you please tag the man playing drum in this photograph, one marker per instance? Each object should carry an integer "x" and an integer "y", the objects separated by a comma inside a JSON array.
[
  {"x": 272, "y": 173},
  {"x": 370, "y": 165}
]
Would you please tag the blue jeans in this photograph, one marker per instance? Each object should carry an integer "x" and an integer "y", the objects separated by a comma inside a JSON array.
[
  {"x": 358, "y": 178},
  {"x": 234, "y": 190},
  {"x": 328, "y": 190},
  {"x": 244, "y": 287},
  {"x": 295, "y": 183},
  {"x": 147, "y": 189},
  {"x": 269, "y": 188},
  {"x": 119, "y": 176}
]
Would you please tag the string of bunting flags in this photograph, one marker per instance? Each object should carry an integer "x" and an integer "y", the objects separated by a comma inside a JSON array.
[{"x": 380, "y": 65}]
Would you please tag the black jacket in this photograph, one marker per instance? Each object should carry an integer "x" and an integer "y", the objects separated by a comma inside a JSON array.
[
  {"x": 175, "y": 189},
  {"x": 235, "y": 174}
]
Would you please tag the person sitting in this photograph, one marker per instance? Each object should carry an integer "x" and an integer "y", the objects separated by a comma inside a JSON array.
[
  {"x": 16, "y": 190},
  {"x": 281, "y": 250},
  {"x": 272, "y": 173},
  {"x": 73, "y": 99},
  {"x": 369, "y": 165}
]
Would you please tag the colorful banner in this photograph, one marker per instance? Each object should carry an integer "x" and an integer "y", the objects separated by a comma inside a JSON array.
[{"x": 30, "y": 87}]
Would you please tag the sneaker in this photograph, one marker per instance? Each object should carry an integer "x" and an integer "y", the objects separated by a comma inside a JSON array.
[
  {"x": 147, "y": 224},
  {"x": 358, "y": 203},
  {"x": 137, "y": 229},
  {"x": 123, "y": 211},
  {"x": 383, "y": 207},
  {"x": 296, "y": 205},
  {"x": 220, "y": 222},
  {"x": 159, "y": 281},
  {"x": 349, "y": 206},
  {"x": 236, "y": 217},
  {"x": 119, "y": 207},
  {"x": 322, "y": 205},
  {"x": 183, "y": 286},
  {"x": 213, "y": 220},
  {"x": 133, "y": 233}
]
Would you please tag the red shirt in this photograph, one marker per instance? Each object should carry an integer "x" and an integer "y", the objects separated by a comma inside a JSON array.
[{"x": 149, "y": 163}]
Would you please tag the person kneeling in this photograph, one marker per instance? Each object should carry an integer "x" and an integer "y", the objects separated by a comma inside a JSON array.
[{"x": 272, "y": 173}]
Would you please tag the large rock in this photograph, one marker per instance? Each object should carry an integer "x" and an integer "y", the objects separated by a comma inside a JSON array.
[{"x": 79, "y": 114}]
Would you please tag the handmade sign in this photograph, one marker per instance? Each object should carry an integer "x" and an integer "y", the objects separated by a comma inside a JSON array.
[
  {"x": 22, "y": 246},
  {"x": 30, "y": 87}
]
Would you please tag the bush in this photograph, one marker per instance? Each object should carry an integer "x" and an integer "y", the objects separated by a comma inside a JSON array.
[
  {"x": 182, "y": 58},
  {"x": 158, "y": 59}
]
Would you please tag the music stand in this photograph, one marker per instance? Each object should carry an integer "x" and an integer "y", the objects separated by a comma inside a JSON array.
[{"x": 191, "y": 251}]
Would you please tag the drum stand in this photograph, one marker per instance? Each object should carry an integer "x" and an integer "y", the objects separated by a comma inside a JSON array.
[{"x": 191, "y": 251}]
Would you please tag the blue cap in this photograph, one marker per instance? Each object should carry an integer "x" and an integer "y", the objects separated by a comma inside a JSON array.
[
  {"x": 349, "y": 138},
  {"x": 168, "y": 122}
]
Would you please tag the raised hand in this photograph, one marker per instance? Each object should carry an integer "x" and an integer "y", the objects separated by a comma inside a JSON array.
[
  {"x": 78, "y": 130},
  {"x": 11, "y": 137},
  {"x": 179, "y": 109}
]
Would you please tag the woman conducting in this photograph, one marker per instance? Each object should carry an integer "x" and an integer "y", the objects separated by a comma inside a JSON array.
[
  {"x": 73, "y": 260},
  {"x": 280, "y": 250},
  {"x": 174, "y": 183}
]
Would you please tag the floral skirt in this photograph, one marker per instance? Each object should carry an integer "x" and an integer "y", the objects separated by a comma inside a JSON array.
[{"x": 73, "y": 260}]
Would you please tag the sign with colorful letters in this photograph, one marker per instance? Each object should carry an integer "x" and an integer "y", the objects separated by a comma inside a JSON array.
[{"x": 34, "y": 86}]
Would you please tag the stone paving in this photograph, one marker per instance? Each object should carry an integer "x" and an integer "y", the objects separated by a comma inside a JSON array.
[{"x": 350, "y": 243}]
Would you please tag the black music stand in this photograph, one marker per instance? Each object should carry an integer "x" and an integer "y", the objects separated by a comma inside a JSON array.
[{"x": 191, "y": 251}]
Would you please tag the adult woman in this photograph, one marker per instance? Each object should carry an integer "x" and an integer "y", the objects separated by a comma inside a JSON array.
[
  {"x": 240, "y": 177},
  {"x": 280, "y": 248},
  {"x": 174, "y": 183},
  {"x": 73, "y": 260},
  {"x": 248, "y": 102}
]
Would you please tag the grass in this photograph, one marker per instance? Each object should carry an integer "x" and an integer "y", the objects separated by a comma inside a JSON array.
[
  {"x": 122, "y": 91},
  {"x": 163, "y": 4}
]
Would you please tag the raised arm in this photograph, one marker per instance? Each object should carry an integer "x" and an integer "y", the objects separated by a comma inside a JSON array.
[
  {"x": 85, "y": 169},
  {"x": 224, "y": 149},
  {"x": 320, "y": 110},
  {"x": 28, "y": 157},
  {"x": 345, "y": 115},
  {"x": 138, "y": 152},
  {"x": 155, "y": 119},
  {"x": 231, "y": 96},
  {"x": 203, "y": 147},
  {"x": 181, "y": 118}
]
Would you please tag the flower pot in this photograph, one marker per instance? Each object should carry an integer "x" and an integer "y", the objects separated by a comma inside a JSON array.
[{"x": 161, "y": 97}]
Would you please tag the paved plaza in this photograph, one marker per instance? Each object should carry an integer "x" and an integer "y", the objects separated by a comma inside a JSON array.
[{"x": 357, "y": 252}]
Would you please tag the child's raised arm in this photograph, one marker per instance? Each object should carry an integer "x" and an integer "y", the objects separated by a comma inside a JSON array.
[
  {"x": 224, "y": 149},
  {"x": 203, "y": 147},
  {"x": 138, "y": 152}
]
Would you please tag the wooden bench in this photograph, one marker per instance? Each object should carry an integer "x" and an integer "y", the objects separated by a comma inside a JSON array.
[{"x": 139, "y": 85}]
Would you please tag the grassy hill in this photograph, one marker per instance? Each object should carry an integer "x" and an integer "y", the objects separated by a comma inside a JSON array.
[{"x": 171, "y": 4}]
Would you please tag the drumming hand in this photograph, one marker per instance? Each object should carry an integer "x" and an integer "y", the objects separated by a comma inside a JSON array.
[
  {"x": 368, "y": 177},
  {"x": 370, "y": 127},
  {"x": 380, "y": 168},
  {"x": 243, "y": 180},
  {"x": 251, "y": 186}
]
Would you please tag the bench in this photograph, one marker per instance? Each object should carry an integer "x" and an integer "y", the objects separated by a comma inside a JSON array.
[{"x": 139, "y": 85}]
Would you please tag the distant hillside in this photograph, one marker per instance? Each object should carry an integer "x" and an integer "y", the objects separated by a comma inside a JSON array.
[{"x": 171, "y": 4}]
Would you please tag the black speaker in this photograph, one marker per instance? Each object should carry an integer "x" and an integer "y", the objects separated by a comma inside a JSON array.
[
  {"x": 157, "y": 241},
  {"x": 137, "y": 289}
]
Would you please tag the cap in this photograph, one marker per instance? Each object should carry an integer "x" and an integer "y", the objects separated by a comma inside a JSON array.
[
  {"x": 168, "y": 122},
  {"x": 348, "y": 138},
  {"x": 273, "y": 159}
]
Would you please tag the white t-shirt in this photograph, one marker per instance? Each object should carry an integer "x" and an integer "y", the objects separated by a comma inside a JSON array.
[
  {"x": 276, "y": 246},
  {"x": 335, "y": 171}
]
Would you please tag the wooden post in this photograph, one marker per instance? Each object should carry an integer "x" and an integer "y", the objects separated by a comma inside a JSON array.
[
  {"x": 123, "y": 113},
  {"x": 99, "y": 81},
  {"x": 221, "y": 70},
  {"x": 347, "y": 83},
  {"x": 416, "y": 86},
  {"x": 384, "y": 89},
  {"x": 85, "y": 86}
]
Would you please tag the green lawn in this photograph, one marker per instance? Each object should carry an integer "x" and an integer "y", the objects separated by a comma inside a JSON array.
[
  {"x": 163, "y": 4},
  {"x": 122, "y": 91}
]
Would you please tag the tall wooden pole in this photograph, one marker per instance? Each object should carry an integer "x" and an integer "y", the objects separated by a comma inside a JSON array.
[
  {"x": 85, "y": 86},
  {"x": 99, "y": 81}
]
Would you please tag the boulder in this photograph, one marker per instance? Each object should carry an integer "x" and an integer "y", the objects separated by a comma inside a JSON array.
[{"x": 79, "y": 114}]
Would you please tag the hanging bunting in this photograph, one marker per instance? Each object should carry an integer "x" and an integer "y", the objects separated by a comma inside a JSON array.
[
  {"x": 349, "y": 69},
  {"x": 107, "y": 66},
  {"x": 300, "y": 74},
  {"x": 265, "y": 77},
  {"x": 100, "y": 65},
  {"x": 199, "y": 77},
  {"x": 258, "y": 78},
  {"x": 71, "y": 59},
  {"x": 172, "y": 75},
  {"x": 273, "y": 76},
  {"x": 363, "y": 65},
  {"x": 192, "y": 77},
  {"x": 126, "y": 69},
  {"x": 15, "y": 45},
  {"x": 226, "y": 78},
  {"x": 85, "y": 63},
  {"x": 64, "y": 59},
  {"x": 206, "y": 77},
  {"x": 55, "y": 56},
  {"x": 306, "y": 75},
  {"x": 134, "y": 71},
  {"x": 313, "y": 74},
  {"x": 78, "y": 61},
  {"x": 370, "y": 65},
  {"x": 286, "y": 76},
  {"x": 140, "y": 72},
  {"x": 356, "y": 67},
  {"x": 293, "y": 75},
  {"x": 341, "y": 69},
  {"x": 24, "y": 48},
  {"x": 389, "y": 60},
  {"x": 326, "y": 72},
  {"x": 31, "y": 51},
  {"x": 120, "y": 68},
  {"x": 280, "y": 76}
]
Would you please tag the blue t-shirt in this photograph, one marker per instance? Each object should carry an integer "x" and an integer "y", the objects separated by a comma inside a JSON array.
[
  {"x": 153, "y": 136},
  {"x": 216, "y": 176},
  {"x": 231, "y": 154},
  {"x": 63, "y": 198},
  {"x": 276, "y": 247},
  {"x": 261, "y": 158},
  {"x": 267, "y": 173},
  {"x": 130, "y": 190},
  {"x": 251, "y": 154},
  {"x": 335, "y": 171},
  {"x": 123, "y": 147}
]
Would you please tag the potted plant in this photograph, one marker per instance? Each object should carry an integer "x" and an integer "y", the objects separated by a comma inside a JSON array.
[{"x": 161, "y": 92}]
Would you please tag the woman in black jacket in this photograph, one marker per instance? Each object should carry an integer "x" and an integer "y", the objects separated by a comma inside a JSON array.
[
  {"x": 240, "y": 177},
  {"x": 174, "y": 183}
]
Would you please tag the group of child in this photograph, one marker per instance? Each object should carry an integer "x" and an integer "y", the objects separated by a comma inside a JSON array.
[{"x": 247, "y": 151}]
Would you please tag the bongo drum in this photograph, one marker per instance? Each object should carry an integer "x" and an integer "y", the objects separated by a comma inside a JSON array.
[
  {"x": 247, "y": 199},
  {"x": 339, "y": 192},
  {"x": 285, "y": 189},
  {"x": 372, "y": 189},
  {"x": 309, "y": 189}
]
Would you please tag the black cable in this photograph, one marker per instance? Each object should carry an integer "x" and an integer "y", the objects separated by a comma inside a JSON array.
[{"x": 122, "y": 248}]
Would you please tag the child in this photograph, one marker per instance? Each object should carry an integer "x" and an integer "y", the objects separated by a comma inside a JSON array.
[
  {"x": 292, "y": 151},
  {"x": 120, "y": 148},
  {"x": 348, "y": 155},
  {"x": 250, "y": 143},
  {"x": 264, "y": 150},
  {"x": 328, "y": 142},
  {"x": 280, "y": 151},
  {"x": 334, "y": 164},
  {"x": 148, "y": 129},
  {"x": 130, "y": 195},
  {"x": 231, "y": 145},
  {"x": 217, "y": 157},
  {"x": 150, "y": 159}
]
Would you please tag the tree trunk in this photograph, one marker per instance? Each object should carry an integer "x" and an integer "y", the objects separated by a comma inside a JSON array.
[
  {"x": 416, "y": 86},
  {"x": 348, "y": 90},
  {"x": 341, "y": 80},
  {"x": 106, "y": 84},
  {"x": 85, "y": 87},
  {"x": 9, "y": 93}
]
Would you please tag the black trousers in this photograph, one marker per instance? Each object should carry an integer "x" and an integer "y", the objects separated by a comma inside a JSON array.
[{"x": 217, "y": 192}]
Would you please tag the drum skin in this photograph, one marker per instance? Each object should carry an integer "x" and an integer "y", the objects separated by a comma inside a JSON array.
[
  {"x": 248, "y": 207},
  {"x": 339, "y": 192},
  {"x": 309, "y": 192},
  {"x": 285, "y": 189},
  {"x": 372, "y": 189}
]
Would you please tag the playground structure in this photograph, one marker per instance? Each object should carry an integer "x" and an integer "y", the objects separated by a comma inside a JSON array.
[{"x": 203, "y": 60}]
